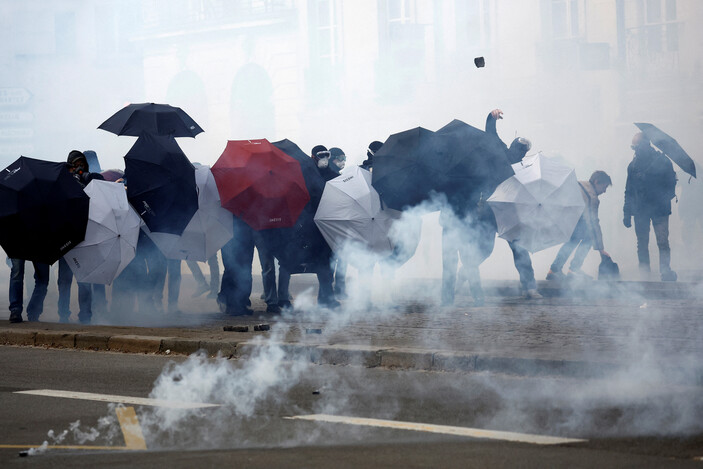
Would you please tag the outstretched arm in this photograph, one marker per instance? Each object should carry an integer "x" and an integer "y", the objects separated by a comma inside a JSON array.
[{"x": 493, "y": 116}]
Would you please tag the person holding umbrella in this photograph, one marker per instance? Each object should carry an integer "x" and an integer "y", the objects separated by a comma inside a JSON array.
[
  {"x": 587, "y": 233},
  {"x": 77, "y": 164},
  {"x": 521, "y": 256},
  {"x": 650, "y": 186},
  {"x": 374, "y": 146}
]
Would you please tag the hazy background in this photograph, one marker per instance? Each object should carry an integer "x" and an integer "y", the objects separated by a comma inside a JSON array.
[{"x": 571, "y": 75}]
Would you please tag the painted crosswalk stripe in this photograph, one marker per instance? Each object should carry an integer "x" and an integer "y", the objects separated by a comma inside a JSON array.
[
  {"x": 443, "y": 429},
  {"x": 87, "y": 396}
]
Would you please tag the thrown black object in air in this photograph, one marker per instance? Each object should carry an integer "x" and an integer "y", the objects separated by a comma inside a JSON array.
[
  {"x": 479, "y": 62},
  {"x": 43, "y": 210},
  {"x": 669, "y": 146},
  {"x": 156, "y": 119},
  {"x": 161, "y": 183}
]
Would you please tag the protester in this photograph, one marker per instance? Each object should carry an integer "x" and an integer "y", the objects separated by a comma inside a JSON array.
[
  {"x": 650, "y": 186},
  {"x": 521, "y": 257},
  {"x": 587, "y": 233},
  {"x": 338, "y": 265},
  {"x": 268, "y": 274},
  {"x": 374, "y": 146},
  {"x": 173, "y": 272},
  {"x": 78, "y": 166}
]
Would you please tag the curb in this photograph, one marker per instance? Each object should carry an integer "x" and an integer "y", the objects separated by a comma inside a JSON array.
[{"x": 396, "y": 358}]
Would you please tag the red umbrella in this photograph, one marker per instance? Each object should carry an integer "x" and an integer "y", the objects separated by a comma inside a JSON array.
[{"x": 260, "y": 184}]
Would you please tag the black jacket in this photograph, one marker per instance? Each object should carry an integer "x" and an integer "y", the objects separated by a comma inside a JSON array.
[
  {"x": 650, "y": 185},
  {"x": 513, "y": 153}
]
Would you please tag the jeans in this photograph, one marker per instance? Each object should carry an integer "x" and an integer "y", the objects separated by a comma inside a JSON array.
[
  {"x": 85, "y": 294},
  {"x": 661, "y": 232},
  {"x": 457, "y": 242},
  {"x": 268, "y": 271},
  {"x": 581, "y": 241},
  {"x": 523, "y": 264},
  {"x": 237, "y": 257},
  {"x": 173, "y": 270},
  {"x": 41, "y": 284}
]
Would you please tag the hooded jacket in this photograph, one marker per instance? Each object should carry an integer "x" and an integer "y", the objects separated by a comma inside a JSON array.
[{"x": 651, "y": 184}]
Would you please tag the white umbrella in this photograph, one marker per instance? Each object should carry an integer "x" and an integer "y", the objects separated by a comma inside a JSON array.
[
  {"x": 540, "y": 205},
  {"x": 209, "y": 229},
  {"x": 110, "y": 237},
  {"x": 350, "y": 211}
]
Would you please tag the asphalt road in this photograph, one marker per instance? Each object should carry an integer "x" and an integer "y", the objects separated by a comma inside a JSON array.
[{"x": 655, "y": 426}]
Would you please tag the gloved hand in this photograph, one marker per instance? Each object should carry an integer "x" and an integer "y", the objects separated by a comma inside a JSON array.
[{"x": 627, "y": 221}]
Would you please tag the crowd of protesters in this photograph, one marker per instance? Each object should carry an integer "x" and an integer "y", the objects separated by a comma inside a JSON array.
[{"x": 468, "y": 233}]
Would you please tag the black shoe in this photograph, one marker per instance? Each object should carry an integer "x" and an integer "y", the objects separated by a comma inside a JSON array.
[
  {"x": 240, "y": 312},
  {"x": 15, "y": 317},
  {"x": 273, "y": 308},
  {"x": 669, "y": 276},
  {"x": 285, "y": 304}
]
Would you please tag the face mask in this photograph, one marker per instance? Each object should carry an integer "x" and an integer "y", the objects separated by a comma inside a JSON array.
[
  {"x": 323, "y": 163},
  {"x": 340, "y": 164}
]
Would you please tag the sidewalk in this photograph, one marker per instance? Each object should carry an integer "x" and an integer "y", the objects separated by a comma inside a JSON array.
[{"x": 655, "y": 329}]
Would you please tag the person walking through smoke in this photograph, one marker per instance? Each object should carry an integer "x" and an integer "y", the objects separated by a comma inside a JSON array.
[
  {"x": 587, "y": 233},
  {"x": 521, "y": 257},
  {"x": 650, "y": 186},
  {"x": 78, "y": 166}
]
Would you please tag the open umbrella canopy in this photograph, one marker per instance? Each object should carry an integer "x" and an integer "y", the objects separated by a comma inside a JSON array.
[
  {"x": 669, "y": 146},
  {"x": 407, "y": 167},
  {"x": 313, "y": 180},
  {"x": 540, "y": 205},
  {"x": 209, "y": 229},
  {"x": 43, "y": 210},
  {"x": 350, "y": 212},
  {"x": 161, "y": 183},
  {"x": 474, "y": 166},
  {"x": 111, "y": 235},
  {"x": 260, "y": 184},
  {"x": 156, "y": 119}
]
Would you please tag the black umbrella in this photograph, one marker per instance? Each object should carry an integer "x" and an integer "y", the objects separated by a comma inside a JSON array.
[
  {"x": 156, "y": 119},
  {"x": 670, "y": 146},
  {"x": 407, "y": 168},
  {"x": 475, "y": 165},
  {"x": 161, "y": 183},
  {"x": 300, "y": 248},
  {"x": 43, "y": 210}
]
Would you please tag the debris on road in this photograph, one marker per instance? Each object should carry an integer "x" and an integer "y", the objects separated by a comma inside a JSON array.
[
  {"x": 262, "y": 327},
  {"x": 235, "y": 328},
  {"x": 313, "y": 331}
]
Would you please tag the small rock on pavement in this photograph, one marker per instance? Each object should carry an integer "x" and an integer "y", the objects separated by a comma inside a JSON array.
[
  {"x": 235, "y": 328},
  {"x": 262, "y": 327},
  {"x": 313, "y": 331}
]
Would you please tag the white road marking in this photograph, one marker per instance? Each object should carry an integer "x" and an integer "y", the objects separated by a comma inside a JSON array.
[
  {"x": 87, "y": 396},
  {"x": 444, "y": 429}
]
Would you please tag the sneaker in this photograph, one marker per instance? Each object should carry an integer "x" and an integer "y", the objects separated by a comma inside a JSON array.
[
  {"x": 273, "y": 308},
  {"x": 15, "y": 317},
  {"x": 669, "y": 276},
  {"x": 579, "y": 275},
  {"x": 200, "y": 290},
  {"x": 532, "y": 294},
  {"x": 555, "y": 276}
]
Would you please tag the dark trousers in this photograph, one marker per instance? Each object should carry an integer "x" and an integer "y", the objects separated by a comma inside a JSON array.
[
  {"x": 523, "y": 264},
  {"x": 41, "y": 284},
  {"x": 661, "y": 232},
  {"x": 325, "y": 279},
  {"x": 173, "y": 271},
  {"x": 237, "y": 257},
  {"x": 268, "y": 271},
  {"x": 85, "y": 294},
  {"x": 456, "y": 243},
  {"x": 130, "y": 290}
]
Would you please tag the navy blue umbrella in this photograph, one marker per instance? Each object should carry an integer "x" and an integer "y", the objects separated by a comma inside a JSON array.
[
  {"x": 43, "y": 210},
  {"x": 161, "y": 183},
  {"x": 156, "y": 119}
]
